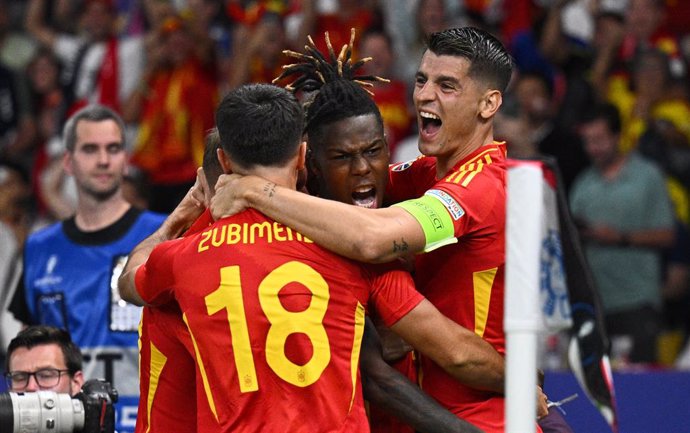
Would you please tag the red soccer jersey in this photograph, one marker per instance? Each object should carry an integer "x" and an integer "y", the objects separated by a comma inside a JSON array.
[
  {"x": 465, "y": 280},
  {"x": 276, "y": 322},
  {"x": 167, "y": 376},
  {"x": 167, "y": 373}
]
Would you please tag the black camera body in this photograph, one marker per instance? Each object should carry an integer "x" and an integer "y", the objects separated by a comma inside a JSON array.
[{"x": 90, "y": 411}]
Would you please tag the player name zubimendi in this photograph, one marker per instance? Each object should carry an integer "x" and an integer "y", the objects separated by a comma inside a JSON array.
[{"x": 245, "y": 233}]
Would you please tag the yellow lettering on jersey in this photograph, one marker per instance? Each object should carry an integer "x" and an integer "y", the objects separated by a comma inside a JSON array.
[
  {"x": 483, "y": 281},
  {"x": 263, "y": 230},
  {"x": 217, "y": 241},
  {"x": 245, "y": 233},
  {"x": 234, "y": 234},
  {"x": 202, "y": 369},
  {"x": 278, "y": 232},
  {"x": 284, "y": 323},
  {"x": 204, "y": 238},
  {"x": 356, "y": 347},
  {"x": 229, "y": 297},
  {"x": 158, "y": 360}
]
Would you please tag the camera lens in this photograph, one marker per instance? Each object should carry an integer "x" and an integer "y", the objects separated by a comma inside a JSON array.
[
  {"x": 6, "y": 412},
  {"x": 40, "y": 412}
]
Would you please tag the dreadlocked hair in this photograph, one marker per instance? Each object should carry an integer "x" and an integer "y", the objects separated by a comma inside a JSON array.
[{"x": 341, "y": 93}]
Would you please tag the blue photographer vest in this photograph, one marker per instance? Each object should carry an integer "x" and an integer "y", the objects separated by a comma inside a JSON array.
[{"x": 70, "y": 281}]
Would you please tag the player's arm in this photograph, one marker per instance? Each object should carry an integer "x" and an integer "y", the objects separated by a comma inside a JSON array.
[
  {"x": 370, "y": 235},
  {"x": 459, "y": 351},
  {"x": 388, "y": 389},
  {"x": 186, "y": 212}
]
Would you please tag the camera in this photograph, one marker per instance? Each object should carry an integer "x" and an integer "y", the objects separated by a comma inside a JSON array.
[{"x": 90, "y": 411}]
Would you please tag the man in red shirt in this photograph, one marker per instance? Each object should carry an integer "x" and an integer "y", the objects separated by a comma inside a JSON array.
[
  {"x": 275, "y": 320},
  {"x": 169, "y": 381},
  {"x": 460, "y": 185}
]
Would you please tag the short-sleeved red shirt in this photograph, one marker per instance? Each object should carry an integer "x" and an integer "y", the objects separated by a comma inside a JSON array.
[
  {"x": 465, "y": 280},
  {"x": 168, "y": 376},
  {"x": 276, "y": 320},
  {"x": 167, "y": 373}
]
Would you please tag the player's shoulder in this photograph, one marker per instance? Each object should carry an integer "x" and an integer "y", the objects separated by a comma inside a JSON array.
[
  {"x": 419, "y": 163},
  {"x": 487, "y": 165}
]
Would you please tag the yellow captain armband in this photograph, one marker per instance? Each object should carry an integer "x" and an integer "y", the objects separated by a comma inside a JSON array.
[{"x": 435, "y": 219}]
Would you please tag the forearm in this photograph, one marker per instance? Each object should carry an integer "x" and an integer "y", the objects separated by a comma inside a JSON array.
[
  {"x": 386, "y": 388},
  {"x": 173, "y": 227},
  {"x": 407, "y": 402},
  {"x": 477, "y": 365},
  {"x": 170, "y": 229},
  {"x": 370, "y": 235},
  {"x": 459, "y": 351}
]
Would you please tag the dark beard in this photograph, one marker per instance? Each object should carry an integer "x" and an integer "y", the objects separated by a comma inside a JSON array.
[{"x": 102, "y": 196}]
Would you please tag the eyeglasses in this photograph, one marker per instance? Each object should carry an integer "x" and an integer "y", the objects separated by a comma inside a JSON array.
[{"x": 45, "y": 378}]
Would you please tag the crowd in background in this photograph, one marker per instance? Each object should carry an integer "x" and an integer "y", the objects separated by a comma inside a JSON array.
[{"x": 164, "y": 64}]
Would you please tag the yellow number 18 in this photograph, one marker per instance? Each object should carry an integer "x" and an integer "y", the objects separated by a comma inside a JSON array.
[{"x": 309, "y": 322}]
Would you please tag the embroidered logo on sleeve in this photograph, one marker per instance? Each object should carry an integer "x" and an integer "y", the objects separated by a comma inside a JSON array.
[{"x": 454, "y": 209}]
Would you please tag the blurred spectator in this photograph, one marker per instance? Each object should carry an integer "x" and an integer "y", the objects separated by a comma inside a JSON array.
[
  {"x": 208, "y": 18},
  {"x": 620, "y": 44},
  {"x": 258, "y": 55},
  {"x": 531, "y": 130},
  {"x": 625, "y": 219},
  {"x": 16, "y": 124},
  {"x": 347, "y": 15},
  {"x": 573, "y": 59},
  {"x": 16, "y": 48},
  {"x": 391, "y": 97},
  {"x": 410, "y": 23},
  {"x": 14, "y": 227},
  {"x": 649, "y": 96},
  {"x": 175, "y": 104},
  {"x": 99, "y": 66},
  {"x": 47, "y": 97}
]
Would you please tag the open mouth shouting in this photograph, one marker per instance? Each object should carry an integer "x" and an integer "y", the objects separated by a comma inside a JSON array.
[
  {"x": 430, "y": 124},
  {"x": 365, "y": 196}
]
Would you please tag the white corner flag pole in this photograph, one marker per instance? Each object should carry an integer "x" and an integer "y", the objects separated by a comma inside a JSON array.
[{"x": 522, "y": 319}]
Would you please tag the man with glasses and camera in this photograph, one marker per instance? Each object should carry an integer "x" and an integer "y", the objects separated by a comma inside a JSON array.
[{"x": 44, "y": 358}]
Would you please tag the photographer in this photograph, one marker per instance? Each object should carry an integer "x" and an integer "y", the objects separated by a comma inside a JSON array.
[{"x": 44, "y": 358}]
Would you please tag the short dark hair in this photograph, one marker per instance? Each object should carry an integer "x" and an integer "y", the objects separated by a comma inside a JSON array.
[
  {"x": 210, "y": 163},
  {"x": 605, "y": 111},
  {"x": 91, "y": 113},
  {"x": 39, "y": 335},
  {"x": 489, "y": 60},
  {"x": 260, "y": 124}
]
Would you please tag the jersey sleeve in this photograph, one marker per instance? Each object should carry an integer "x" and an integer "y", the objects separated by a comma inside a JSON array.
[
  {"x": 407, "y": 180},
  {"x": 154, "y": 279},
  {"x": 464, "y": 202},
  {"x": 393, "y": 292}
]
